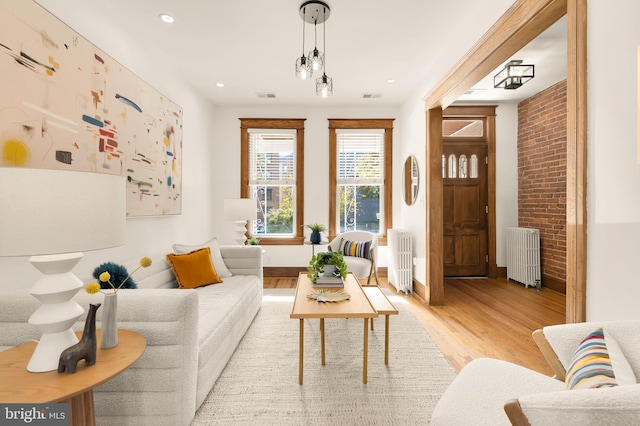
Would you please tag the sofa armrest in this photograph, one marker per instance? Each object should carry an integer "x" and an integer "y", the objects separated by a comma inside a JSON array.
[
  {"x": 618, "y": 405},
  {"x": 243, "y": 260},
  {"x": 514, "y": 411},
  {"x": 550, "y": 355}
]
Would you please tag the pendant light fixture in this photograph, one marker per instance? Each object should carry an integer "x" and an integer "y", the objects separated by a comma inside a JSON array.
[
  {"x": 303, "y": 67},
  {"x": 315, "y": 12},
  {"x": 324, "y": 84},
  {"x": 513, "y": 75},
  {"x": 316, "y": 57}
]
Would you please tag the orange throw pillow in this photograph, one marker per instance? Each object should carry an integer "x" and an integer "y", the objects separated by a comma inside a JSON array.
[{"x": 194, "y": 269}]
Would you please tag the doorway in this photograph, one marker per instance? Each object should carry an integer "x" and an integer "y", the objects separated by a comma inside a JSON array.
[
  {"x": 520, "y": 24},
  {"x": 464, "y": 196}
]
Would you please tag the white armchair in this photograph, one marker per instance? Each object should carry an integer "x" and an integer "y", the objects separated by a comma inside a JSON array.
[
  {"x": 494, "y": 392},
  {"x": 363, "y": 265}
]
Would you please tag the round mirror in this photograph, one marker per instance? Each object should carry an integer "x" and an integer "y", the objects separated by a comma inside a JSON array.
[{"x": 410, "y": 180}]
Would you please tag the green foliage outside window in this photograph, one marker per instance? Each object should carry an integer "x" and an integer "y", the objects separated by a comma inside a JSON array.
[{"x": 280, "y": 220}]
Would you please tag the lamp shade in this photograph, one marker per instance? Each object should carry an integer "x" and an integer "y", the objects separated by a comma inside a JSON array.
[
  {"x": 236, "y": 209},
  {"x": 55, "y": 211}
]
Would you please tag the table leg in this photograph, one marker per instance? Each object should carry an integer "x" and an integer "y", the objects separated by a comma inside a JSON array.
[
  {"x": 386, "y": 339},
  {"x": 301, "y": 359},
  {"x": 322, "y": 338},
  {"x": 365, "y": 352},
  {"x": 81, "y": 409}
]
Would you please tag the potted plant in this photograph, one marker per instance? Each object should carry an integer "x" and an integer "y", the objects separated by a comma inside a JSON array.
[
  {"x": 316, "y": 229},
  {"x": 253, "y": 241},
  {"x": 333, "y": 259}
]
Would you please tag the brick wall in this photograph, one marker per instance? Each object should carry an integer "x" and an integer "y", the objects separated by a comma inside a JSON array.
[{"x": 542, "y": 175}]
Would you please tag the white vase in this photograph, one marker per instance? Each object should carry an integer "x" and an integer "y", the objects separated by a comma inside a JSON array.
[{"x": 109, "y": 337}]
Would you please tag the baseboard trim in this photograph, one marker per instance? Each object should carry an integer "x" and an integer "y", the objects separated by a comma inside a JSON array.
[
  {"x": 549, "y": 282},
  {"x": 502, "y": 272},
  {"x": 554, "y": 284}
]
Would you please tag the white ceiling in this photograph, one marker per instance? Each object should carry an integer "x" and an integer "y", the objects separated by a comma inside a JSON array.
[{"x": 251, "y": 45}]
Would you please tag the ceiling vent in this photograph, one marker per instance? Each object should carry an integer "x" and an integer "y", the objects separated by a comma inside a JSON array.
[
  {"x": 371, "y": 96},
  {"x": 266, "y": 95}
]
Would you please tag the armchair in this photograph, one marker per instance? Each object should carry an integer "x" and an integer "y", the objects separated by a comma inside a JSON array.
[
  {"x": 362, "y": 262},
  {"x": 494, "y": 392}
]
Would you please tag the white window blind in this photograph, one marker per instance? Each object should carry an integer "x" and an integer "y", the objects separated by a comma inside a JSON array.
[
  {"x": 360, "y": 180},
  {"x": 360, "y": 157},
  {"x": 272, "y": 181},
  {"x": 272, "y": 157}
]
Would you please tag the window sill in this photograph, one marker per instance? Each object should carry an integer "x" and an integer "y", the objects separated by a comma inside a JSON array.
[{"x": 286, "y": 241}]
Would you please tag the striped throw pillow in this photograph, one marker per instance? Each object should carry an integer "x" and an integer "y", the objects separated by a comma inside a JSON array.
[
  {"x": 355, "y": 248},
  {"x": 591, "y": 365}
]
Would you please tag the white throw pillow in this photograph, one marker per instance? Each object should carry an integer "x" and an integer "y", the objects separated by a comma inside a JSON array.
[
  {"x": 216, "y": 257},
  {"x": 621, "y": 368}
]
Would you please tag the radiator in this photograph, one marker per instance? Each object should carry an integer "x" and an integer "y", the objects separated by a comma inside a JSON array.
[
  {"x": 400, "y": 260},
  {"x": 523, "y": 256}
]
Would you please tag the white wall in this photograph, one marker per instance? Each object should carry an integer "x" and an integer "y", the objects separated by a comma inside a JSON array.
[
  {"x": 151, "y": 235},
  {"x": 413, "y": 218},
  {"x": 613, "y": 201},
  {"x": 506, "y": 176},
  {"x": 226, "y": 169}
]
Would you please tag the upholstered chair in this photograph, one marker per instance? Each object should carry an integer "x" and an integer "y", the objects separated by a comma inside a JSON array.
[
  {"x": 596, "y": 367},
  {"x": 360, "y": 250}
]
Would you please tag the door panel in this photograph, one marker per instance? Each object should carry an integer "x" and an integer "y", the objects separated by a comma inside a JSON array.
[
  {"x": 465, "y": 203},
  {"x": 449, "y": 248}
]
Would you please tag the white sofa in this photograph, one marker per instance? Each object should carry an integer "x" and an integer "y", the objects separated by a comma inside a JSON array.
[
  {"x": 487, "y": 389},
  {"x": 190, "y": 334}
]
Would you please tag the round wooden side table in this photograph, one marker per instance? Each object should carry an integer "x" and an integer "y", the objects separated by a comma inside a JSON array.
[{"x": 24, "y": 387}]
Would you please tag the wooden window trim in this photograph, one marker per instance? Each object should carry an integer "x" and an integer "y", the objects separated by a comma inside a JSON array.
[
  {"x": 366, "y": 123},
  {"x": 275, "y": 123}
]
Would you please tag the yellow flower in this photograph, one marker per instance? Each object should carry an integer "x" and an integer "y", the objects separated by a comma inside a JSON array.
[
  {"x": 92, "y": 288},
  {"x": 105, "y": 277}
]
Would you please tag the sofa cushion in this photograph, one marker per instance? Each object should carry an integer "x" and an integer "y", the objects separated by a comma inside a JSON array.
[
  {"x": 216, "y": 257},
  {"x": 194, "y": 269},
  {"x": 225, "y": 312},
  {"x": 591, "y": 364}
]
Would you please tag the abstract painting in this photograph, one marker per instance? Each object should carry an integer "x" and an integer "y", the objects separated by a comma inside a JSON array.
[{"x": 65, "y": 104}]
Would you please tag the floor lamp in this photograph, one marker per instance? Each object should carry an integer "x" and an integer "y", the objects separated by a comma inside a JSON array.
[
  {"x": 52, "y": 215},
  {"x": 240, "y": 210}
]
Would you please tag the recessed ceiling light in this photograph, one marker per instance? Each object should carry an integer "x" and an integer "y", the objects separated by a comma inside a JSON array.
[
  {"x": 166, "y": 18},
  {"x": 219, "y": 84},
  {"x": 391, "y": 80}
]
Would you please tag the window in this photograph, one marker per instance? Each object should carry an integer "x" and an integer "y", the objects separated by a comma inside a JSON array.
[
  {"x": 461, "y": 128},
  {"x": 360, "y": 175},
  {"x": 271, "y": 173}
]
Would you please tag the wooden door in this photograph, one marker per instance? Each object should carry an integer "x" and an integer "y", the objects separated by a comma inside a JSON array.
[{"x": 465, "y": 208}]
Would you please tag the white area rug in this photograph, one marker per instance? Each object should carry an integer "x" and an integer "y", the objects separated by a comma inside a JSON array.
[{"x": 259, "y": 385}]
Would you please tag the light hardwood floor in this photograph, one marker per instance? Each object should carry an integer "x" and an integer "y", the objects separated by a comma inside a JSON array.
[{"x": 482, "y": 318}]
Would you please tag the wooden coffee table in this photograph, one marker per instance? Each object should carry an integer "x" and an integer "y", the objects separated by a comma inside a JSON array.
[
  {"x": 358, "y": 306},
  {"x": 21, "y": 386}
]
